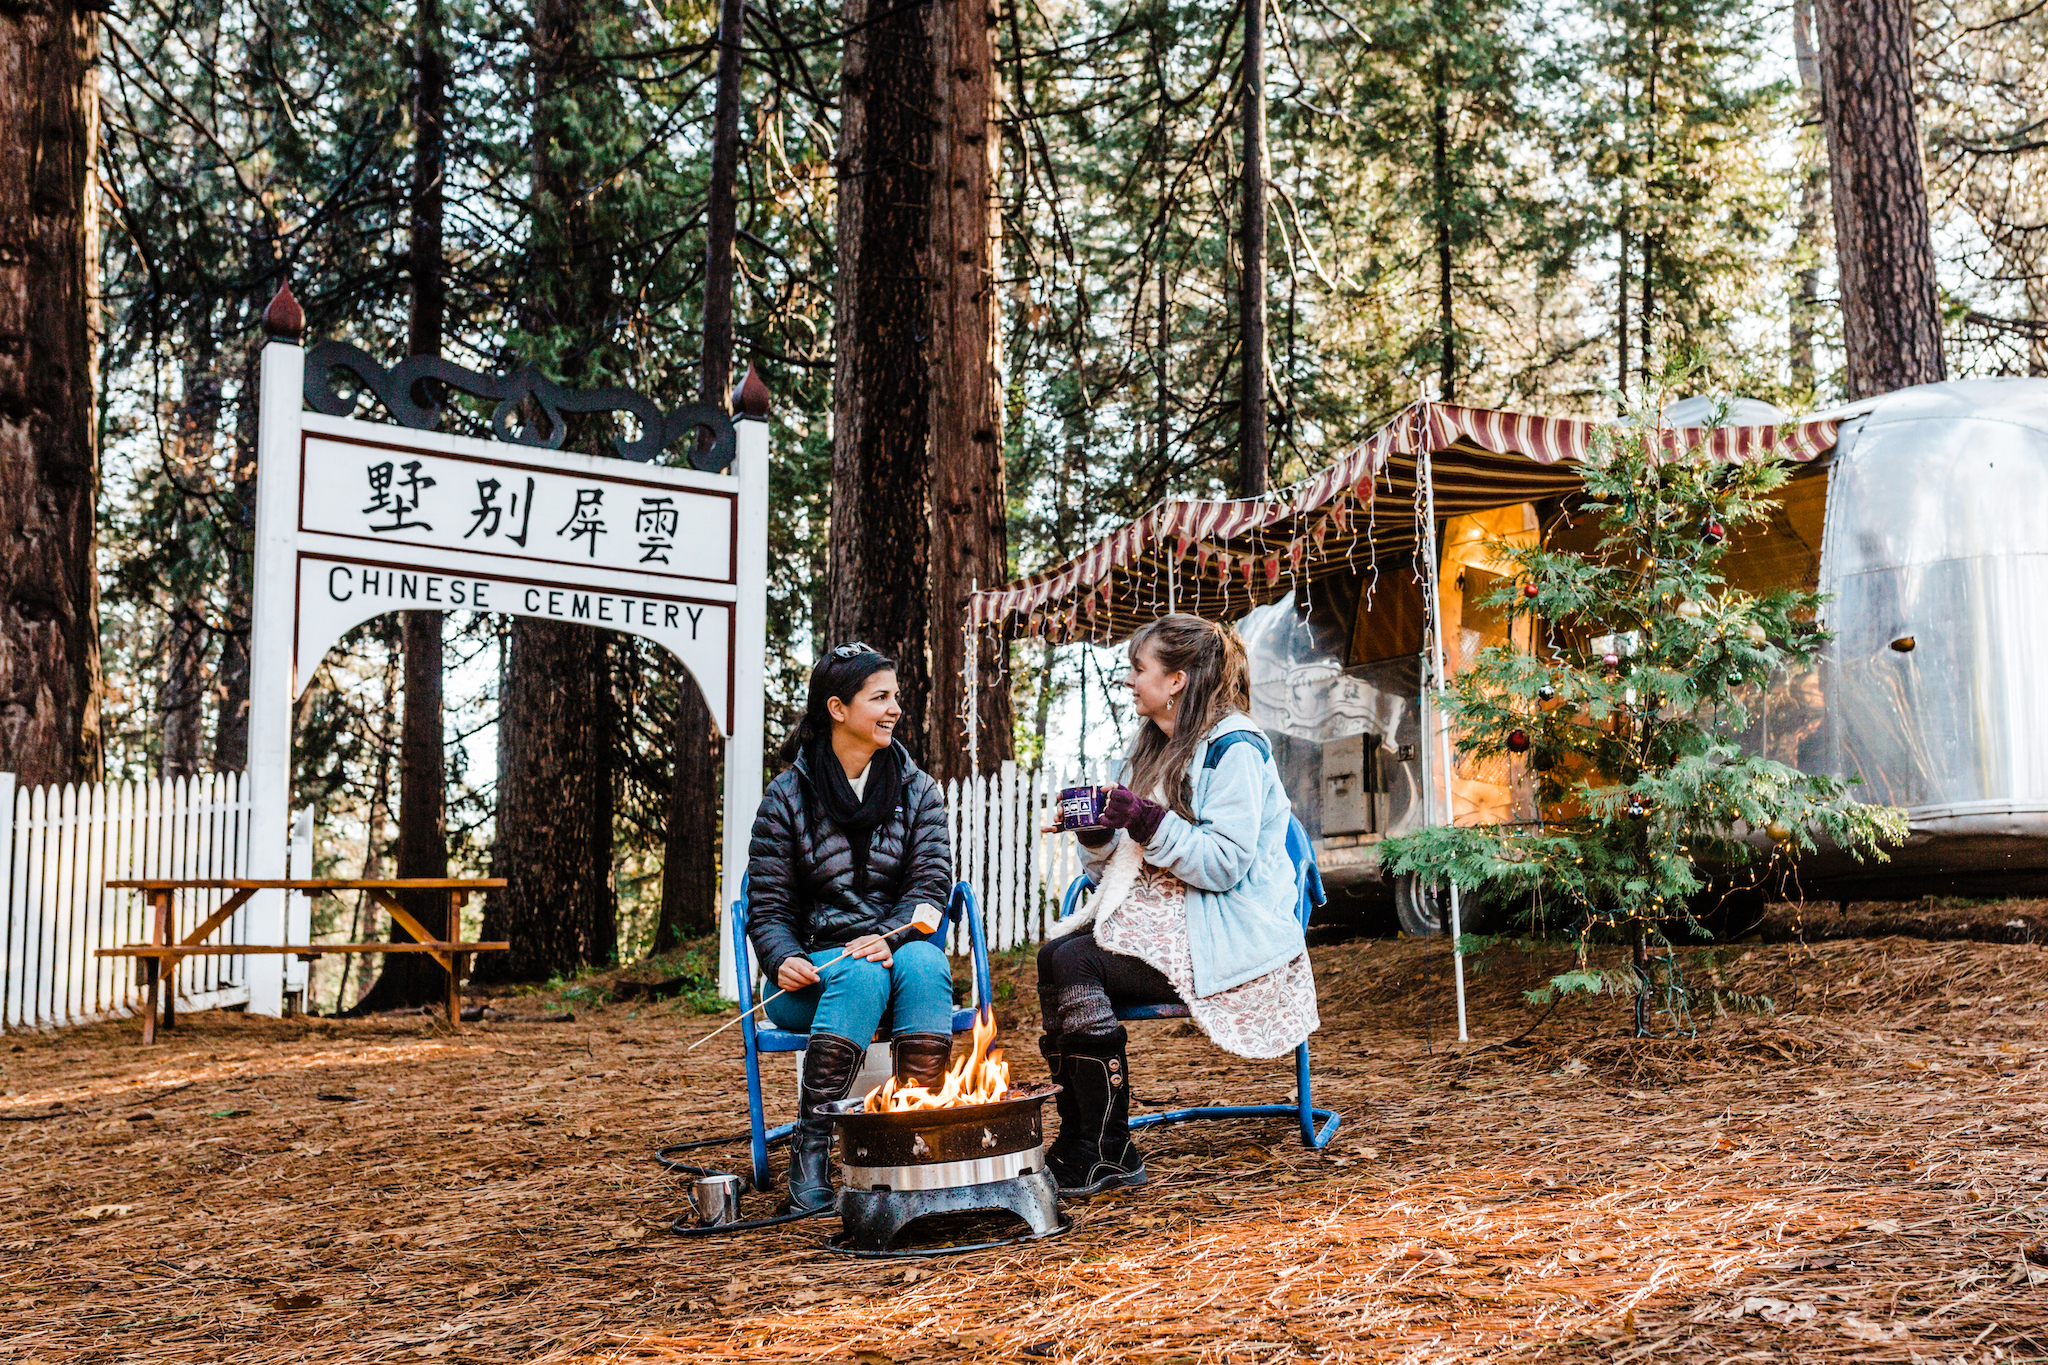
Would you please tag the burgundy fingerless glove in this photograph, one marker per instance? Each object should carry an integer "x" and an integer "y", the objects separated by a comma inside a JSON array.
[
  {"x": 1125, "y": 809},
  {"x": 1095, "y": 838}
]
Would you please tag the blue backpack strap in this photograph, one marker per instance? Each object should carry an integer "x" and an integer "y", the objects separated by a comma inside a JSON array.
[{"x": 1221, "y": 745}]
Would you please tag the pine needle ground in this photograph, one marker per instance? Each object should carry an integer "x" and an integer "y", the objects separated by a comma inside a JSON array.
[{"x": 1857, "y": 1176}]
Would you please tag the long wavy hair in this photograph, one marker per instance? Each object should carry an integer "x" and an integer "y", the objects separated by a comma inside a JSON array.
[
  {"x": 833, "y": 675},
  {"x": 1219, "y": 683}
]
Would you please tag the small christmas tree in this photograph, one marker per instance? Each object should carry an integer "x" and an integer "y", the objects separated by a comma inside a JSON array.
[{"x": 1628, "y": 713}]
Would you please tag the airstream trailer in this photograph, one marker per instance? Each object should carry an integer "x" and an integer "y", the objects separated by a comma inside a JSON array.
[
  {"x": 1924, "y": 513},
  {"x": 1927, "y": 523}
]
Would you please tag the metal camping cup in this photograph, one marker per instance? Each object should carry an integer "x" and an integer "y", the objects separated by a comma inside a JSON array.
[
  {"x": 1081, "y": 807},
  {"x": 716, "y": 1199}
]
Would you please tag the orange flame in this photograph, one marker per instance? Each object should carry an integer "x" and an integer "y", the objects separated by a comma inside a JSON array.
[{"x": 980, "y": 1077}]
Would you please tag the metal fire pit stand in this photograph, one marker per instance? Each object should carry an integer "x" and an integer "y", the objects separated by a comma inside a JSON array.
[
  {"x": 873, "y": 1219},
  {"x": 900, "y": 1167}
]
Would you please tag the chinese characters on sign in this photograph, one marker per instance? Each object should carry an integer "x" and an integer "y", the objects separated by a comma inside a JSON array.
[
  {"x": 586, "y": 519},
  {"x": 656, "y": 525},
  {"x": 490, "y": 516},
  {"x": 396, "y": 498},
  {"x": 675, "y": 523}
]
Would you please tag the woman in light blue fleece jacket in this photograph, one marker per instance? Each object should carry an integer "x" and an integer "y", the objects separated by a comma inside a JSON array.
[{"x": 1194, "y": 898}]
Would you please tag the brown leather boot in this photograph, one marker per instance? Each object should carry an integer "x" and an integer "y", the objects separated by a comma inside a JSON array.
[{"x": 921, "y": 1058}]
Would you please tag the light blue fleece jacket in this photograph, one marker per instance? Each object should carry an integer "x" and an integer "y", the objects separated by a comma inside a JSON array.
[{"x": 1233, "y": 857}]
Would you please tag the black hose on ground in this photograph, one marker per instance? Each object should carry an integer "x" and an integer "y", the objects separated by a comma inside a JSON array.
[{"x": 681, "y": 1228}]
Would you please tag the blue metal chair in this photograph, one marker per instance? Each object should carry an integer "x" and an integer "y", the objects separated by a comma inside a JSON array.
[
  {"x": 1317, "y": 1125},
  {"x": 761, "y": 1038}
]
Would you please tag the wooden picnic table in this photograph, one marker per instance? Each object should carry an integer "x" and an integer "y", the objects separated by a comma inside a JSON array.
[{"x": 162, "y": 953}]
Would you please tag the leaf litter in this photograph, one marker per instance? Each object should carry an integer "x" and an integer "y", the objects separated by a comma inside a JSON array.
[{"x": 1860, "y": 1177}]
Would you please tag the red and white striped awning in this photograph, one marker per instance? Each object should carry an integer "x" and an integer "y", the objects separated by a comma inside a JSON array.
[{"x": 1221, "y": 557}]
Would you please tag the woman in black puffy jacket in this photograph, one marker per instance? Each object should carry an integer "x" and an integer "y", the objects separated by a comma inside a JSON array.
[{"x": 849, "y": 841}]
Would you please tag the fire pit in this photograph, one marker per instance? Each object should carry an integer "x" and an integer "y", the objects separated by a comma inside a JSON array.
[{"x": 974, "y": 1145}]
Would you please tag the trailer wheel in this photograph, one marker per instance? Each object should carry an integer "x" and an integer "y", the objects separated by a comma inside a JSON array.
[{"x": 1424, "y": 907}]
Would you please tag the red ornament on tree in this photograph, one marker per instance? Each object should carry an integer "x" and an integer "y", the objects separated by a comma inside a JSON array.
[
  {"x": 1528, "y": 590},
  {"x": 1518, "y": 741},
  {"x": 1713, "y": 533}
]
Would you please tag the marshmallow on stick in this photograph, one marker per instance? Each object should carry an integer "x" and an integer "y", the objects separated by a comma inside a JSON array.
[{"x": 926, "y": 919}]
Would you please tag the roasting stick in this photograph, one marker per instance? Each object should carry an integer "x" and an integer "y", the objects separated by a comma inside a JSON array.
[{"x": 926, "y": 919}]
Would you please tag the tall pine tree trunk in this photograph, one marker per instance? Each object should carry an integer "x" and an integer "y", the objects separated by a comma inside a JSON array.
[
  {"x": 969, "y": 531},
  {"x": 231, "y": 685},
  {"x": 377, "y": 997},
  {"x": 414, "y": 978},
  {"x": 1809, "y": 196},
  {"x": 918, "y": 504},
  {"x": 881, "y": 410},
  {"x": 1891, "y": 318},
  {"x": 1440, "y": 161},
  {"x": 1251, "y": 298},
  {"x": 1621, "y": 300},
  {"x": 185, "y": 639},
  {"x": 49, "y": 454},
  {"x": 556, "y": 737},
  {"x": 554, "y": 837},
  {"x": 689, "y": 870},
  {"x": 184, "y": 694},
  {"x": 1646, "y": 321},
  {"x": 721, "y": 209}
]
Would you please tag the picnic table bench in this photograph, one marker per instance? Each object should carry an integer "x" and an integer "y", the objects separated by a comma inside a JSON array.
[{"x": 164, "y": 950}]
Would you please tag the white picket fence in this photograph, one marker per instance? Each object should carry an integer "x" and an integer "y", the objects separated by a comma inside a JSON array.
[
  {"x": 57, "y": 853},
  {"x": 1018, "y": 873},
  {"x": 64, "y": 843}
]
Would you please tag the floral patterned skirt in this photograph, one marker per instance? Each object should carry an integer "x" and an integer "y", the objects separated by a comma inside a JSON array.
[{"x": 1268, "y": 1016}]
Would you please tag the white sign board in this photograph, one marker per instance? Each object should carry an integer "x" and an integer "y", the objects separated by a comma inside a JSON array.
[
  {"x": 396, "y": 520},
  {"x": 355, "y": 519}
]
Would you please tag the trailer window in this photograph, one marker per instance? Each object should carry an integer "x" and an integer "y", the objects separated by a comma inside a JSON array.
[
  {"x": 1784, "y": 551},
  {"x": 1490, "y": 790}
]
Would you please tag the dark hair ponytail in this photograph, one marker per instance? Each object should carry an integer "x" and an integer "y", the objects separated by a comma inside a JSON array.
[{"x": 836, "y": 674}]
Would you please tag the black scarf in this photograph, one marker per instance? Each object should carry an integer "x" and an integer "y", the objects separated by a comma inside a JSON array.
[{"x": 857, "y": 819}]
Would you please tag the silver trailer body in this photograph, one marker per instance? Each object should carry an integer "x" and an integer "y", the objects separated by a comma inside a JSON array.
[
  {"x": 1937, "y": 543},
  {"x": 1934, "y": 693}
]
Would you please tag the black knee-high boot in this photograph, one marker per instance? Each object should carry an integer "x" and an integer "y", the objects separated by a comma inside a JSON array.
[
  {"x": 1066, "y": 1104},
  {"x": 830, "y": 1064},
  {"x": 1094, "y": 1150}
]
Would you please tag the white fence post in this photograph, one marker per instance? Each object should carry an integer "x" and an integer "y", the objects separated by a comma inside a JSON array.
[
  {"x": 298, "y": 909},
  {"x": 13, "y": 940},
  {"x": 61, "y": 845},
  {"x": 1017, "y": 873}
]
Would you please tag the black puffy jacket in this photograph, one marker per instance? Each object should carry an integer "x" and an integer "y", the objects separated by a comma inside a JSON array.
[{"x": 800, "y": 892}]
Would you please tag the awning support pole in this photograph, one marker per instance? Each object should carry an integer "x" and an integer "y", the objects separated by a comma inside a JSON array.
[{"x": 1438, "y": 714}]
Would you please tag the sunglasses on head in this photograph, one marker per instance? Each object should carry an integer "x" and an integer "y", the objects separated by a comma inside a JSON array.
[{"x": 853, "y": 650}]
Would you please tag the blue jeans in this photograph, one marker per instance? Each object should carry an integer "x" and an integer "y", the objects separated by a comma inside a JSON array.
[{"x": 915, "y": 992}]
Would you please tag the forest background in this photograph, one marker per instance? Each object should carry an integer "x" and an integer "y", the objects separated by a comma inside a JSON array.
[{"x": 1537, "y": 205}]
